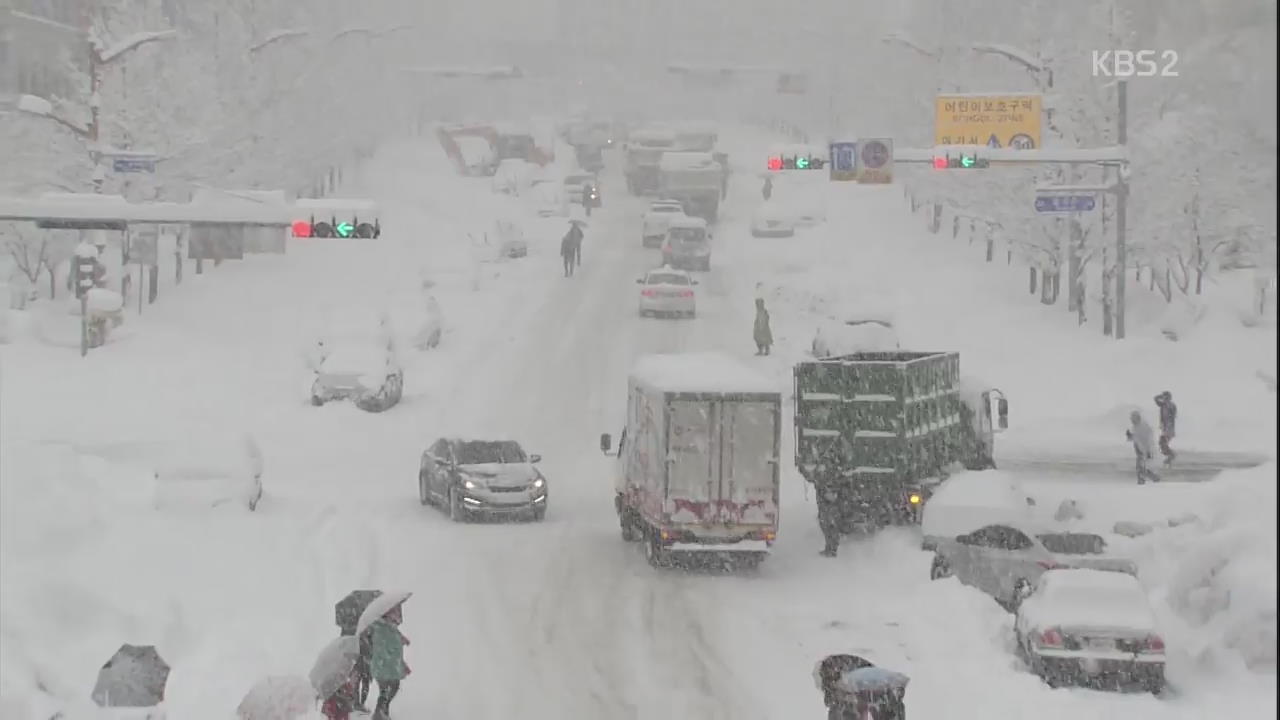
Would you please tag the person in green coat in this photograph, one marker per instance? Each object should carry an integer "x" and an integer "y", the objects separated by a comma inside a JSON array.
[
  {"x": 763, "y": 335},
  {"x": 386, "y": 664}
]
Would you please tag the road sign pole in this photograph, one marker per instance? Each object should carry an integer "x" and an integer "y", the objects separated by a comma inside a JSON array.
[{"x": 1122, "y": 205}]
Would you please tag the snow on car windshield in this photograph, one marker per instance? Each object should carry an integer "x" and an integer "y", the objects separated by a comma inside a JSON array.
[
  {"x": 480, "y": 452},
  {"x": 668, "y": 279},
  {"x": 687, "y": 235}
]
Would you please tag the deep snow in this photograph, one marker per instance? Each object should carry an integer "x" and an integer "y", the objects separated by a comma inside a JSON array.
[{"x": 562, "y": 619}]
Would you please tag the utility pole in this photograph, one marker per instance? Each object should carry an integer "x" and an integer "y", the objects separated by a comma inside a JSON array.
[{"x": 1122, "y": 205}]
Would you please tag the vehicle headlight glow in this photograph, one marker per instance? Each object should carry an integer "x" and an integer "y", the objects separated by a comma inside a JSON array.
[
  {"x": 470, "y": 485},
  {"x": 539, "y": 483}
]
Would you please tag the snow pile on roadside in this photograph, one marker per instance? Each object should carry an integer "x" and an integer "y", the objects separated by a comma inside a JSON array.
[{"x": 1215, "y": 578}]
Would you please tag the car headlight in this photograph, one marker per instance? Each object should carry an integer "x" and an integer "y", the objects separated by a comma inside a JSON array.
[
  {"x": 539, "y": 483},
  {"x": 470, "y": 484}
]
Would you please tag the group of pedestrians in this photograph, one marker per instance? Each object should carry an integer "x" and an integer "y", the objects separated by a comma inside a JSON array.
[
  {"x": 381, "y": 661},
  {"x": 1142, "y": 436}
]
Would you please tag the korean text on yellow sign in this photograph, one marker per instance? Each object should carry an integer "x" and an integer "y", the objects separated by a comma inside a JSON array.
[{"x": 1005, "y": 121}]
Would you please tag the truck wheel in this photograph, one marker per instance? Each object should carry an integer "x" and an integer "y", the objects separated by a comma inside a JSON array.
[
  {"x": 316, "y": 402},
  {"x": 540, "y": 514}
]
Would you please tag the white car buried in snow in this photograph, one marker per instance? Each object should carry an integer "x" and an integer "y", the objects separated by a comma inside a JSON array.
[
  {"x": 653, "y": 226},
  {"x": 854, "y": 335},
  {"x": 1093, "y": 628},
  {"x": 772, "y": 220},
  {"x": 358, "y": 361},
  {"x": 1003, "y": 560},
  {"x": 667, "y": 291},
  {"x": 229, "y": 476}
]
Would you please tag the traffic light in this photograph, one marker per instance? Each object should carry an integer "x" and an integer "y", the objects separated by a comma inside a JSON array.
[
  {"x": 796, "y": 162},
  {"x": 335, "y": 229},
  {"x": 961, "y": 161}
]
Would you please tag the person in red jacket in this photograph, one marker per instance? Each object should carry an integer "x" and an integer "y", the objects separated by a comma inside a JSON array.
[{"x": 341, "y": 703}]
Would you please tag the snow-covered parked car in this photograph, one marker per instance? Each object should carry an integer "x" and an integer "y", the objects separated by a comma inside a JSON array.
[
  {"x": 478, "y": 156},
  {"x": 513, "y": 176},
  {"x": 549, "y": 198},
  {"x": 206, "y": 476},
  {"x": 863, "y": 333},
  {"x": 772, "y": 220},
  {"x": 654, "y": 223},
  {"x": 1005, "y": 559},
  {"x": 968, "y": 501},
  {"x": 1091, "y": 627},
  {"x": 357, "y": 360}
]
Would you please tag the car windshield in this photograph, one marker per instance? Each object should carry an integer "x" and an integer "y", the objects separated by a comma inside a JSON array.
[
  {"x": 482, "y": 451},
  {"x": 668, "y": 279},
  {"x": 666, "y": 208},
  {"x": 688, "y": 235},
  {"x": 1073, "y": 543}
]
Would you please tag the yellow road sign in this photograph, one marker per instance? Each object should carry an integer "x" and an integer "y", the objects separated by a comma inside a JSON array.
[{"x": 1004, "y": 121}]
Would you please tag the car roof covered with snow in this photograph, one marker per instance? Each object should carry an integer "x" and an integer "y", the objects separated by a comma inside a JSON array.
[
  {"x": 687, "y": 222},
  {"x": 968, "y": 501},
  {"x": 704, "y": 372},
  {"x": 1084, "y": 598}
]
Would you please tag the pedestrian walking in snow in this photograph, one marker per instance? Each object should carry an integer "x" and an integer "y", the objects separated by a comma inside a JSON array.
[
  {"x": 364, "y": 678},
  {"x": 569, "y": 251},
  {"x": 387, "y": 661},
  {"x": 1168, "y": 418},
  {"x": 767, "y": 190},
  {"x": 763, "y": 335},
  {"x": 1143, "y": 439},
  {"x": 829, "y": 517},
  {"x": 339, "y": 705}
]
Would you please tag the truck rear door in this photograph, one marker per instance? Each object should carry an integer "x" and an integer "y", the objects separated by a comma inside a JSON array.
[
  {"x": 693, "y": 468},
  {"x": 749, "y": 462}
]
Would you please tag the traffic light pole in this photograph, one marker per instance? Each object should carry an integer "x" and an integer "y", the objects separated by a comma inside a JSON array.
[{"x": 1122, "y": 207}]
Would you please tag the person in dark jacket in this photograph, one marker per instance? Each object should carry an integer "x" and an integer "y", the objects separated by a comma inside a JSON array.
[
  {"x": 364, "y": 680},
  {"x": 767, "y": 190},
  {"x": 840, "y": 706},
  {"x": 829, "y": 517},
  {"x": 571, "y": 249},
  {"x": 761, "y": 332},
  {"x": 1168, "y": 418}
]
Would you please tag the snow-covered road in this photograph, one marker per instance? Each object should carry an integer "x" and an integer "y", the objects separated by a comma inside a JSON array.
[{"x": 559, "y": 619}]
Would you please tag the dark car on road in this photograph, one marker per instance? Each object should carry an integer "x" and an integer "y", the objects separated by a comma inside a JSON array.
[{"x": 475, "y": 478}]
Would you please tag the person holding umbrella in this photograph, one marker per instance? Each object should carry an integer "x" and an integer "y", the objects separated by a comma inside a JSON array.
[
  {"x": 347, "y": 615},
  {"x": 335, "y": 678},
  {"x": 381, "y": 620}
]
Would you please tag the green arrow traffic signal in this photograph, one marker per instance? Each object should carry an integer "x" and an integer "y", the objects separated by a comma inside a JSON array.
[
  {"x": 966, "y": 161},
  {"x": 344, "y": 229}
]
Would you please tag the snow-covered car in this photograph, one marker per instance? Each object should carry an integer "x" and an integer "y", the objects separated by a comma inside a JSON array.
[
  {"x": 1004, "y": 559},
  {"x": 667, "y": 291},
  {"x": 513, "y": 176},
  {"x": 207, "y": 477},
  {"x": 1091, "y": 627},
  {"x": 853, "y": 335},
  {"x": 772, "y": 220},
  {"x": 467, "y": 477},
  {"x": 432, "y": 328},
  {"x": 358, "y": 361},
  {"x": 549, "y": 198},
  {"x": 653, "y": 226},
  {"x": 478, "y": 156},
  {"x": 688, "y": 244},
  {"x": 968, "y": 501}
]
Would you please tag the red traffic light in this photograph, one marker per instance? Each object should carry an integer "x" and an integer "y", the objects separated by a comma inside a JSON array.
[
  {"x": 775, "y": 162},
  {"x": 301, "y": 228},
  {"x": 940, "y": 163}
]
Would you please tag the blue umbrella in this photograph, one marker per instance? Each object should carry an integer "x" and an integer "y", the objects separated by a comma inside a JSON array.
[{"x": 871, "y": 679}]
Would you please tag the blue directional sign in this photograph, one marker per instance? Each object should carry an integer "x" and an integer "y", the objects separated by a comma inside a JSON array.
[
  {"x": 133, "y": 165},
  {"x": 842, "y": 156},
  {"x": 1064, "y": 203}
]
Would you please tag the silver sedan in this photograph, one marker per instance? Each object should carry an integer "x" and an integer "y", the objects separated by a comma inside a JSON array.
[{"x": 666, "y": 291}]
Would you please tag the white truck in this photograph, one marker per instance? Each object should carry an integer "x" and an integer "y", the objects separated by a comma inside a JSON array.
[
  {"x": 697, "y": 463},
  {"x": 645, "y": 149},
  {"x": 695, "y": 179}
]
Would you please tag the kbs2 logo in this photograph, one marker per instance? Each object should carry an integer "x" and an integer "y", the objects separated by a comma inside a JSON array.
[{"x": 1127, "y": 63}]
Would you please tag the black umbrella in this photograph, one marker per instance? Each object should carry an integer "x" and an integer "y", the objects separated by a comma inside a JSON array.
[
  {"x": 347, "y": 612},
  {"x": 134, "y": 677}
]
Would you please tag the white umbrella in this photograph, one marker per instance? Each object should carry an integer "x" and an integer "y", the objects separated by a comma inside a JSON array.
[
  {"x": 381, "y": 605},
  {"x": 282, "y": 697},
  {"x": 334, "y": 664}
]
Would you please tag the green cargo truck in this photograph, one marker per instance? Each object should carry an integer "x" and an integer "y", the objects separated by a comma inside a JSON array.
[{"x": 878, "y": 430}]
